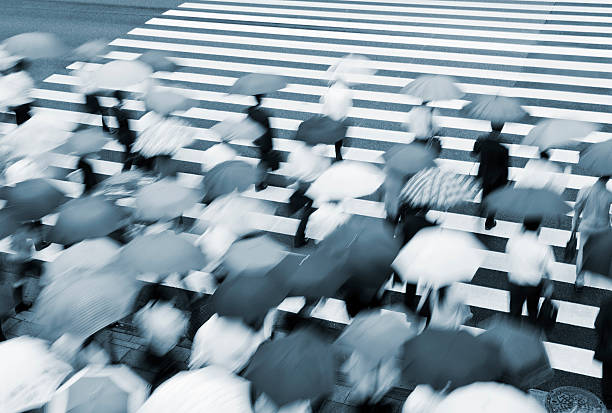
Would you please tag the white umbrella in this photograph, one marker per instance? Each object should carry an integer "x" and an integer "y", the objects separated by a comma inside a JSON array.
[
  {"x": 161, "y": 325},
  {"x": 42, "y": 133},
  {"x": 325, "y": 220},
  {"x": 30, "y": 374},
  {"x": 215, "y": 242},
  {"x": 243, "y": 128},
  {"x": 346, "y": 179},
  {"x": 115, "y": 389},
  {"x": 92, "y": 254},
  {"x": 337, "y": 102},
  {"x": 164, "y": 137},
  {"x": 307, "y": 163},
  {"x": 439, "y": 257},
  {"x": 217, "y": 154},
  {"x": 211, "y": 389},
  {"x": 25, "y": 169},
  {"x": 350, "y": 68}
]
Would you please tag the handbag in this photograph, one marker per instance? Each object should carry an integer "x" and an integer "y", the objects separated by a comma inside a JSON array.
[
  {"x": 547, "y": 316},
  {"x": 570, "y": 248}
]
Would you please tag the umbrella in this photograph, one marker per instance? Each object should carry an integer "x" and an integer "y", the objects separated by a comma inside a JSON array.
[
  {"x": 211, "y": 389},
  {"x": 164, "y": 199},
  {"x": 597, "y": 158},
  {"x": 165, "y": 137},
  {"x": 215, "y": 242},
  {"x": 489, "y": 398},
  {"x": 248, "y": 298},
  {"x": 35, "y": 45},
  {"x": 86, "y": 141},
  {"x": 165, "y": 102},
  {"x": 409, "y": 159},
  {"x": 38, "y": 135},
  {"x": 26, "y": 169},
  {"x": 299, "y": 366},
  {"x": 597, "y": 257},
  {"x": 88, "y": 255},
  {"x": 350, "y": 68},
  {"x": 321, "y": 129},
  {"x": 433, "y": 87},
  {"x": 161, "y": 325},
  {"x": 82, "y": 304},
  {"x": 523, "y": 355},
  {"x": 346, "y": 180},
  {"x": 90, "y": 50},
  {"x": 439, "y": 257},
  {"x": 217, "y": 154},
  {"x": 33, "y": 199},
  {"x": 89, "y": 217},
  {"x": 242, "y": 129},
  {"x": 8, "y": 222},
  {"x": 325, "y": 220},
  {"x": 551, "y": 133},
  {"x": 253, "y": 256},
  {"x": 158, "y": 61},
  {"x": 449, "y": 357},
  {"x": 437, "y": 188},
  {"x": 112, "y": 389},
  {"x": 497, "y": 109},
  {"x": 227, "y": 177},
  {"x": 526, "y": 202},
  {"x": 120, "y": 74},
  {"x": 162, "y": 253},
  {"x": 30, "y": 374},
  {"x": 124, "y": 184},
  {"x": 258, "y": 84}
]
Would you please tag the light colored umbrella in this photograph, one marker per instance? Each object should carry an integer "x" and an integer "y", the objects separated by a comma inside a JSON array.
[
  {"x": 439, "y": 257},
  {"x": 597, "y": 158},
  {"x": 91, "y": 49},
  {"x": 35, "y": 45},
  {"x": 217, "y": 154},
  {"x": 112, "y": 389},
  {"x": 86, "y": 141},
  {"x": 497, "y": 109},
  {"x": 437, "y": 188},
  {"x": 433, "y": 87},
  {"x": 30, "y": 374},
  {"x": 257, "y": 84},
  {"x": 215, "y": 242},
  {"x": 238, "y": 129},
  {"x": 25, "y": 169},
  {"x": 351, "y": 68},
  {"x": 165, "y": 137},
  {"x": 211, "y": 389},
  {"x": 88, "y": 255},
  {"x": 307, "y": 163},
  {"x": 325, "y": 220},
  {"x": 120, "y": 74},
  {"x": 336, "y": 102},
  {"x": 162, "y": 325},
  {"x": 164, "y": 101},
  {"x": 253, "y": 256},
  {"x": 551, "y": 133},
  {"x": 346, "y": 180},
  {"x": 40, "y": 134},
  {"x": 164, "y": 199}
]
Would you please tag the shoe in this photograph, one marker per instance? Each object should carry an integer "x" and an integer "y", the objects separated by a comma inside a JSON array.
[
  {"x": 260, "y": 187},
  {"x": 579, "y": 284},
  {"x": 302, "y": 243},
  {"x": 490, "y": 225}
]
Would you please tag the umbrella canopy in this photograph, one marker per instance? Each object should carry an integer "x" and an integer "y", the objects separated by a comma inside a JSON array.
[
  {"x": 228, "y": 177},
  {"x": 597, "y": 257},
  {"x": 350, "y": 68},
  {"x": 346, "y": 180},
  {"x": 238, "y": 129},
  {"x": 38, "y": 135},
  {"x": 89, "y": 217},
  {"x": 161, "y": 325},
  {"x": 165, "y": 102},
  {"x": 258, "y": 84},
  {"x": 86, "y": 141},
  {"x": 112, "y": 389},
  {"x": 597, "y": 158},
  {"x": 158, "y": 61},
  {"x": 211, "y": 389},
  {"x": 497, "y": 109},
  {"x": 164, "y": 199},
  {"x": 26, "y": 169},
  {"x": 162, "y": 253},
  {"x": 217, "y": 154},
  {"x": 33, "y": 199},
  {"x": 30, "y": 374},
  {"x": 406, "y": 160},
  {"x": 253, "y": 256},
  {"x": 421, "y": 259},
  {"x": 90, "y": 50},
  {"x": 321, "y": 129},
  {"x": 552, "y": 133},
  {"x": 8, "y": 222},
  {"x": 527, "y": 202},
  {"x": 35, "y": 45},
  {"x": 299, "y": 366},
  {"x": 164, "y": 137},
  {"x": 437, "y": 357},
  {"x": 438, "y": 188},
  {"x": 88, "y": 255},
  {"x": 489, "y": 398},
  {"x": 124, "y": 184},
  {"x": 433, "y": 87},
  {"x": 119, "y": 74}
]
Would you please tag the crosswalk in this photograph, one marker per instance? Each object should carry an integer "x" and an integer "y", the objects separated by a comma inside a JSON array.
[{"x": 554, "y": 56}]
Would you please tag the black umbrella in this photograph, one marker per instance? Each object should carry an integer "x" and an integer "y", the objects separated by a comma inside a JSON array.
[
  {"x": 597, "y": 256},
  {"x": 34, "y": 198},
  {"x": 526, "y": 202},
  {"x": 227, "y": 177},
  {"x": 8, "y": 222},
  {"x": 321, "y": 129}
]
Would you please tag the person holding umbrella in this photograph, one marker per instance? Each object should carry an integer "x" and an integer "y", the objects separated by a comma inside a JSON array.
[
  {"x": 542, "y": 173},
  {"x": 337, "y": 102},
  {"x": 421, "y": 122},
  {"x": 125, "y": 136},
  {"x": 87, "y": 86},
  {"x": 264, "y": 142},
  {"x": 21, "y": 84}
]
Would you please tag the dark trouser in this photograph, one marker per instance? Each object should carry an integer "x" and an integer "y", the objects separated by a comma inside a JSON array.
[
  {"x": 22, "y": 113},
  {"x": 338, "y": 146},
  {"x": 521, "y": 293},
  {"x": 411, "y": 299},
  {"x": 92, "y": 105},
  {"x": 2, "y": 336},
  {"x": 486, "y": 190},
  {"x": 128, "y": 158},
  {"x": 300, "y": 235},
  {"x": 606, "y": 383}
]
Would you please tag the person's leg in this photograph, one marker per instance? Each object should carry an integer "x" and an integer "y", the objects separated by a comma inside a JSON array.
[
  {"x": 298, "y": 200},
  {"x": 22, "y": 113},
  {"x": 411, "y": 300},
  {"x": 490, "y": 217},
  {"x": 92, "y": 105},
  {"x": 338, "y": 146},
  {"x": 533, "y": 301},
  {"x": 579, "y": 273},
  {"x": 262, "y": 169},
  {"x": 606, "y": 383},
  {"x": 517, "y": 298},
  {"x": 2, "y": 336},
  {"x": 300, "y": 235},
  {"x": 128, "y": 159}
]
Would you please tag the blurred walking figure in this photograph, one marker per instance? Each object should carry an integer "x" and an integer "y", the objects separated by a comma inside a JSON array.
[
  {"x": 87, "y": 86},
  {"x": 337, "y": 102},
  {"x": 603, "y": 350},
  {"x": 84, "y": 174},
  {"x": 422, "y": 124},
  {"x": 493, "y": 169},
  {"x": 267, "y": 156},
  {"x": 593, "y": 204},
  {"x": 20, "y": 84},
  {"x": 543, "y": 174},
  {"x": 124, "y": 134}
]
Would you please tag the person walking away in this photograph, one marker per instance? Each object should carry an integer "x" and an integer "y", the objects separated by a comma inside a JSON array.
[
  {"x": 603, "y": 349},
  {"x": 493, "y": 169},
  {"x": 21, "y": 83},
  {"x": 543, "y": 174},
  {"x": 529, "y": 261},
  {"x": 267, "y": 156},
  {"x": 448, "y": 308},
  {"x": 422, "y": 124},
  {"x": 337, "y": 102},
  {"x": 88, "y": 87},
  {"x": 593, "y": 204},
  {"x": 125, "y": 136}
]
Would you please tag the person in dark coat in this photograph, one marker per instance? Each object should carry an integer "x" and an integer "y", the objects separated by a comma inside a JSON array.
[
  {"x": 125, "y": 135},
  {"x": 493, "y": 170},
  {"x": 89, "y": 178},
  {"x": 264, "y": 142},
  {"x": 603, "y": 349}
]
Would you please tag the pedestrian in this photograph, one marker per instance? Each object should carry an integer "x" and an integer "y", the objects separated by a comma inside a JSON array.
[
  {"x": 337, "y": 102},
  {"x": 89, "y": 178},
  {"x": 268, "y": 158},
  {"x": 529, "y": 261},
  {"x": 299, "y": 201},
  {"x": 593, "y": 204},
  {"x": 87, "y": 86},
  {"x": 21, "y": 83},
  {"x": 421, "y": 122},
  {"x": 603, "y": 349},
  {"x": 125, "y": 136},
  {"x": 493, "y": 169},
  {"x": 543, "y": 174},
  {"x": 448, "y": 308}
]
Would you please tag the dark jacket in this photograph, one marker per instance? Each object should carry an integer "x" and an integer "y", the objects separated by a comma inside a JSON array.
[
  {"x": 259, "y": 115},
  {"x": 89, "y": 178},
  {"x": 603, "y": 327},
  {"x": 494, "y": 161},
  {"x": 125, "y": 136}
]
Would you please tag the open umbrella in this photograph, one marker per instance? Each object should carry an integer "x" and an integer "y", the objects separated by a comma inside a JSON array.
[
  {"x": 497, "y": 109},
  {"x": 162, "y": 325},
  {"x": 211, "y": 389},
  {"x": 597, "y": 257},
  {"x": 526, "y": 202},
  {"x": 257, "y": 84},
  {"x": 449, "y": 357},
  {"x": 227, "y": 177},
  {"x": 86, "y": 141},
  {"x": 597, "y": 158},
  {"x": 8, "y": 222},
  {"x": 119, "y": 74},
  {"x": 164, "y": 199},
  {"x": 321, "y": 129},
  {"x": 438, "y": 188},
  {"x": 30, "y": 374},
  {"x": 89, "y": 217},
  {"x": 238, "y": 129},
  {"x": 90, "y": 50},
  {"x": 346, "y": 180},
  {"x": 33, "y": 199},
  {"x": 165, "y": 137},
  {"x": 35, "y": 45},
  {"x": 406, "y": 160},
  {"x": 253, "y": 256},
  {"x": 551, "y": 133},
  {"x": 38, "y": 135},
  {"x": 112, "y": 389},
  {"x": 439, "y": 257},
  {"x": 299, "y": 366},
  {"x": 165, "y": 102},
  {"x": 433, "y": 87},
  {"x": 350, "y": 68},
  {"x": 88, "y": 255},
  {"x": 26, "y": 169},
  {"x": 217, "y": 154},
  {"x": 158, "y": 61},
  {"x": 162, "y": 253}
]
